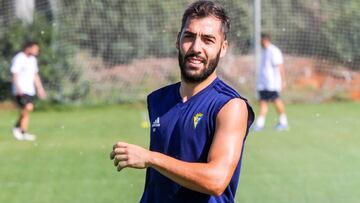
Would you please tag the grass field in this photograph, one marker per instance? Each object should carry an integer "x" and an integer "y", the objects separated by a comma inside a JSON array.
[{"x": 318, "y": 160}]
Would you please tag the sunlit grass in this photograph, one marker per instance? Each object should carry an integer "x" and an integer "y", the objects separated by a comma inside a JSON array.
[{"x": 316, "y": 161}]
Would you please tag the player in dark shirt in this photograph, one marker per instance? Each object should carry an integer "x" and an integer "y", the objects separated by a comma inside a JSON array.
[{"x": 198, "y": 126}]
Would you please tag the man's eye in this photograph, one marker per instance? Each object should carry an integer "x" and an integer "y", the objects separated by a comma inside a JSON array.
[
  {"x": 208, "y": 41},
  {"x": 187, "y": 36}
]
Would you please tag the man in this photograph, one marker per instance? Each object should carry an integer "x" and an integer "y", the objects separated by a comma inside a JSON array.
[
  {"x": 198, "y": 126},
  {"x": 270, "y": 81},
  {"x": 26, "y": 81}
]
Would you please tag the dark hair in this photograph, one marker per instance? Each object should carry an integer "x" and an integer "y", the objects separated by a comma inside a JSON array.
[
  {"x": 203, "y": 8},
  {"x": 265, "y": 36},
  {"x": 29, "y": 44}
]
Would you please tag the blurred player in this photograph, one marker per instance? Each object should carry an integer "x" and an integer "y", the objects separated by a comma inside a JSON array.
[
  {"x": 26, "y": 81},
  {"x": 270, "y": 81},
  {"x": 198, "y": 126}
]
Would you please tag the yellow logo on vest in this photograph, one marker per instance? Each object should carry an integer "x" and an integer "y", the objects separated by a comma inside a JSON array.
[{"x": 197, "y": 119}]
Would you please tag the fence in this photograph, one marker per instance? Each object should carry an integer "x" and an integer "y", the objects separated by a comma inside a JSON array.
[{"x": 114, "y": 51}]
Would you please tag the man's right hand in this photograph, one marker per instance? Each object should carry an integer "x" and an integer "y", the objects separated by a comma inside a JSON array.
[
  {"x": 19, "y": 92},
  {"x": 283, "y": 84},
  {"x": 129, "y": 155},
  {"x": 41, "y": 94}
]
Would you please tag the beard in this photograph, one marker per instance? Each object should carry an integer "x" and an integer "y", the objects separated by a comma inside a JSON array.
[{"x": 209, "y": 68}]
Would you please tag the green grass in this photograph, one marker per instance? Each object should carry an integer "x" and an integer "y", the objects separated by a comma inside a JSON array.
[{"x": 318, "y": 160}]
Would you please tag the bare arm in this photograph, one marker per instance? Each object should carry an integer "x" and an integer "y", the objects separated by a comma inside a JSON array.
[
  {"x": 16, "y": 83},
  {"x": 282, "y": 74},
  {"x": 40, "y": 89},
  {"x": 211, "y": 177}
]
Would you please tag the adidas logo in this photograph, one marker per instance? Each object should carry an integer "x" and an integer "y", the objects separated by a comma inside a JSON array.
[{"x": 156, "y": 123}]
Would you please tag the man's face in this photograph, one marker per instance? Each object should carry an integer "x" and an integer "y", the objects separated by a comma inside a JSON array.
[
  {"x": 201, "y": 44},
  {"x": 265, "y": 42},
  {"x": 33, "y": 50}
]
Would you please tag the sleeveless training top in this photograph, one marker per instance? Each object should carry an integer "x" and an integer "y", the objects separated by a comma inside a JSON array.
[{"x": 185, "y": 130}]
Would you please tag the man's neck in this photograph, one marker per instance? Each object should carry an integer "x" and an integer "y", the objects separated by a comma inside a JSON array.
[
  {"x": 267, "y": 45},
  {"x": 188, "y": 90},
  {"x": 26, "y": 54}
]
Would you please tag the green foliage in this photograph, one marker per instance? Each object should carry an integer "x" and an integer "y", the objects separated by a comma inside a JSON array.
[
  {"x": 345, "y": 44},
  {"x": 240, "y": 35},
  {"x": 323, "y": 28},
  {"x": 120, "y": 31},
  {"x": 116, "y": 32},
  {"x": 54, "y": 63},
  {"x": 11, "y": 42}
]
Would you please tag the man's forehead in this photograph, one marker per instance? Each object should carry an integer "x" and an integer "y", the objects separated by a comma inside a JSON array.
[
  {"x": 206, "y": 25},
  {"x": 33, "y": 46}
]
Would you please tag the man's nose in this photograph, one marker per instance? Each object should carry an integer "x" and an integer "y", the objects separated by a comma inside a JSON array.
[{"x": 197, "y": 45}]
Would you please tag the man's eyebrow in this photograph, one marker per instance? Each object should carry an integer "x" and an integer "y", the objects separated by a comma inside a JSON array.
[
  {"x": 189, "y": 33},
  {"x": 209, "y": 36}
]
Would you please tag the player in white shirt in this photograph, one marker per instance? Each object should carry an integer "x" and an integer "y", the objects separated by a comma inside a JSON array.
[
  {"x": 26, "y": 84},
  {"x": 270, "y": 82}
]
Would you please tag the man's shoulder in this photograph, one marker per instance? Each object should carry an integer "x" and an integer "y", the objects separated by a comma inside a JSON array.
[
  {"x": 274, "y": 48},
  {"x": 226, "y": 93},
  {"x": 19, "y": 56},
  {"x": 225, "y": 90},
  {"x": 169, "y": 89}
]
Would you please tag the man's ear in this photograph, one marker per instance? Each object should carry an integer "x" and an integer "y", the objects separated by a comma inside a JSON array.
[{"x": 224, "y": 47}]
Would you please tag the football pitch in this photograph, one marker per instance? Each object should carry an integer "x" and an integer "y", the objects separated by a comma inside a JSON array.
[{"x": 318, "y": 160}]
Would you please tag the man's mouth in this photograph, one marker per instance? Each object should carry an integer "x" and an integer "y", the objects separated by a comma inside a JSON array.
[{"x": 195, "y": 60}]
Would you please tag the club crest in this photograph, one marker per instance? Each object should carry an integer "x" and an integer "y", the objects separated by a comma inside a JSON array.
[{"x": 197, "y": 119}]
